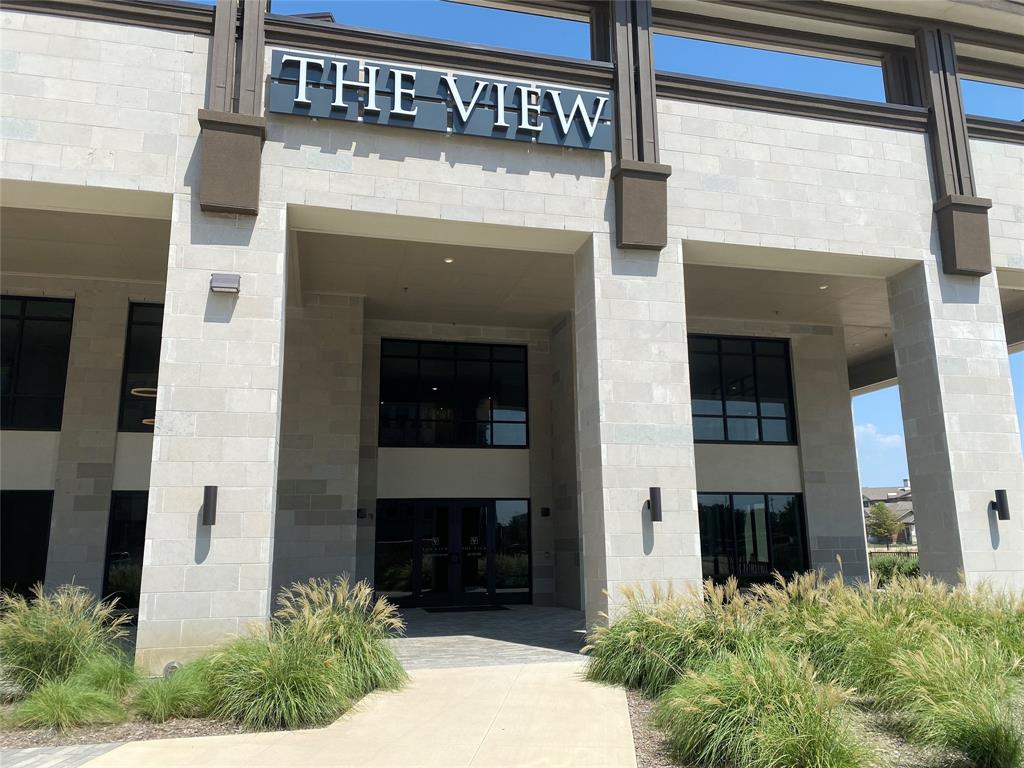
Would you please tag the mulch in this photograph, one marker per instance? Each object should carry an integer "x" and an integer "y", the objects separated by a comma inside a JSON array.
[{"x": 133, "y": 730}]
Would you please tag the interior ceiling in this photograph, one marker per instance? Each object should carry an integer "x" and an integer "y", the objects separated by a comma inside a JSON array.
[
  {"x": 403, "y": 280},
  {"x": 83, "y": 245}
]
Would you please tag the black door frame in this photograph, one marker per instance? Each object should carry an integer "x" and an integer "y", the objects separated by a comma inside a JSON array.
[{"x": 456, "y": 594}]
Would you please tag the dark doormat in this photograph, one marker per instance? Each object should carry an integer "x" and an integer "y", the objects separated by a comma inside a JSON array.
[{"x": 464, "y": 608}]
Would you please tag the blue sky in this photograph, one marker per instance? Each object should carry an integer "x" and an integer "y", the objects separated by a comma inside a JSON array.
[{"x": 877, "y": 416}]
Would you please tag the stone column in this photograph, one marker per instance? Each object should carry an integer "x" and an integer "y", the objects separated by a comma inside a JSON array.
[
  {"x": 963, "y": 441},
  {"x": 88, "y": 439},
  {"x": 828, "y": 454},
  {"x": 635, "y": 430},
  {"x": 217, "y": 423}
]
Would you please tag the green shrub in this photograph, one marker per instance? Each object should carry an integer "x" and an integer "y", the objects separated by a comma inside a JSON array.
[
  {"x": 345, "y": 618},
  {"x": 184, "y": 693},
  {"x": 50, "y": 636},
  {"x": 109, "y": 672},
  {"x": 658, "y": 638},
  {"x": 279, "y": 680},
  {"x": 955, "y": 694},
  {"x": 64, "y": 704},
  {"x": 885, "y": 568},
  {"x": 758, "y": 708}
]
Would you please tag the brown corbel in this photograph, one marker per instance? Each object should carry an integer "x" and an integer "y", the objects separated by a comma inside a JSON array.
[{"x": 641, "y": 204}]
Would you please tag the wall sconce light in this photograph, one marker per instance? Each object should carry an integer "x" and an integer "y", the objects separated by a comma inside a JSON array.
[
  {"x": 360, "y": 513},
  {"x": 209, "y": 504},
  {"x": 1002, "y": 504},
  {"x": 654, "y": 502},
  {"x": 225, "y": 282}
]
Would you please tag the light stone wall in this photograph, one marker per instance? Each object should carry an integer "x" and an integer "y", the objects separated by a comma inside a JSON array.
[
  {"x": 998, "y": 173},
  {"x": 28, "y": 461},
  {"x": 315, "y": 531},
  {"x": 217, "y": 423},
  {"x": 539, "y": 403},
  {"x": 827, "y": 474},
  {"x": 754, "y": 178},
  {"x": 635, "y": 428},
  {"x": 84, "y": 470},
  {"x": 963, "y": 440}
]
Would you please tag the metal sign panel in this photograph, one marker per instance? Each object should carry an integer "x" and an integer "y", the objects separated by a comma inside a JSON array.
[{"x": 337, "y": 88}]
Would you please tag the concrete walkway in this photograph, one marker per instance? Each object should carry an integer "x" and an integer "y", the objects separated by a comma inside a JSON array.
[{"x": 499, "y": 716}]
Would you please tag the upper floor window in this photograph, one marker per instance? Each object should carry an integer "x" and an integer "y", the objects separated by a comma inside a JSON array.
[
  {"x": 452, "y": 394},
  {"x": 34, "y": 352},
  {"x": 742, "y": 390},
  {"x": 141, "y": 364}
]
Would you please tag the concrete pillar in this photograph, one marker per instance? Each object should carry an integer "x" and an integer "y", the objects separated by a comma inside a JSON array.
[
  {"x": 828, "y": 454},
  {"x": 963, "y": 441},
  {"x": 315, "y": 530},
  {"x": 85, "y": 459},
  {"x": 635, "y": 430},
  {"x": 217, "y": 423}
]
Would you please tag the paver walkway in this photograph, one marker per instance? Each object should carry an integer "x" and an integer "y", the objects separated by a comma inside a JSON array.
[{"x": 498, "y": 716}]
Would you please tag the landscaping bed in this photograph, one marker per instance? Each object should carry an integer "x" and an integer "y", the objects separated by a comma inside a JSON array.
[
  {"x": 817, "y": 674},
  {"x": 68, "y": 680}
]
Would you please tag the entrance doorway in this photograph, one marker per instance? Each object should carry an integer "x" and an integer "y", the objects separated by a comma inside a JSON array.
[{"x": 453, "y": 551}]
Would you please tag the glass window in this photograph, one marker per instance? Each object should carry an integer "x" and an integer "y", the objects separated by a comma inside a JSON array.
[
  {"x": 741, "y": 390},
  {"x": 36, "y": 343},
  {"x": 141, "y": 364},
  {"x": 751, "y": 536},
  {"x": 512, "y": 546},
  {"x": 24, "y": 538},
  {"x": 126, "y": 540},
  {"x": 452, "y": 394}
]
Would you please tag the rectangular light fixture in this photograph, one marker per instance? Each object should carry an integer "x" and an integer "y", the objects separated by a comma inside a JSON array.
[
  {"x": 209, "y": 504},
  {"x": 225, "y": 282},
  {"x": 655, "y": 503},
  {"x": 1002, "y": 504}
]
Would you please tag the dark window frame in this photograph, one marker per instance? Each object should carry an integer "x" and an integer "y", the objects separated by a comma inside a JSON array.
[
  {"x": 122, "y": 424},
  {"x": 21, "y": 318},
  {"x": 790, "y": 419},
  {"x": 805, "y": 549},
  {"x": 419, "y": 420}
]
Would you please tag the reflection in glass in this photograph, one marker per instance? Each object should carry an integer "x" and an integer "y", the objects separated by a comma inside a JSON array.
[
  {"x": 717, "y": 546},
  {"x": 126, "y": 539},
  {"x": 752, "y": 558},
  {"x": 394, "y": 552},
  {"x": 141, "y": 365},
  {"x": 512, "y": 546}
]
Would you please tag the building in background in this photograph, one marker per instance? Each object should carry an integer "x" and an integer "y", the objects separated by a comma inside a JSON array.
[
  {"x": 900, "y": 500},
  {"x": 284, "y": 299}
]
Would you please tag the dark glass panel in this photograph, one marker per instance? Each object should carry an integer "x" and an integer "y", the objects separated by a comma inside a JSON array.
[
  {"x": 716, "y": 535},
  {"x": 24, "y": 538},
  {"x": 437, "y": 394},
  {"x": 773, "y": 386},
  {"x": 398, "y": 383},
  {"x": 49, "y": 308},
  {"x": 9, "y": 346},
  {"x": 472, "y": 352},
  {"x": 473, "y": 390},
  {"x": 509, "y": 386},
  {"x": 141, "y": 366},
  {"x": 152, "y": 314},
  {"x": 738, "y": 374},
  {"x": 394, "y": 551},
  {"x": 774, "y": 348},
  {"x": 42, "y": 366},
  {"x": 708, "y": 428},
  {"x": 705, "y": 385},
  {"x": 703, "y": 344},
  {"x": 126, "y": 540},
  {"x": 473, "y": 559},
  {"x": 512, "y": 546},
  {"x": 775, "y": 430},
  {"x": 396, "y": 347},
  {"x": 787, "y": 533},
  {"x": 515, "y": 354},
  {"x": 11, "y": 307},
  {"x": 437, "y": 349},
  {"x": 736, "y": 346},
  {"x": 743, "y": 430},
  {"x": 753, "y": 562},
  {"x": 434, "y": 549}
]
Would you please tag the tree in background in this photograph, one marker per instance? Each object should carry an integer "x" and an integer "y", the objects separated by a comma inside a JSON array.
[{"x": 882, "y": 522}]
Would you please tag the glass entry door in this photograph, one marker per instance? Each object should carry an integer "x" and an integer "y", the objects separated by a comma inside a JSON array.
[{"x": 453, "y": 551}]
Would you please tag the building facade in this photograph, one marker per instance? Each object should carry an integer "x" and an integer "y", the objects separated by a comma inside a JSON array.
[{"x": 285, "y": 299}]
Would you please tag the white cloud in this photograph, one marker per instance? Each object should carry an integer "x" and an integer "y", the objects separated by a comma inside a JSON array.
[{"x": 869, "y": 433}]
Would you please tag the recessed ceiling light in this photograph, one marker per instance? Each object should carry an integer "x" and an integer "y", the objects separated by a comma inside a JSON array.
[
  {"x": 822, "y": 287},
  {"x": 448, "y": 260}
]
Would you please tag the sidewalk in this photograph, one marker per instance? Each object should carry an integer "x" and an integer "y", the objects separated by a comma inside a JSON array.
[{"x": 520, "y": 716}]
